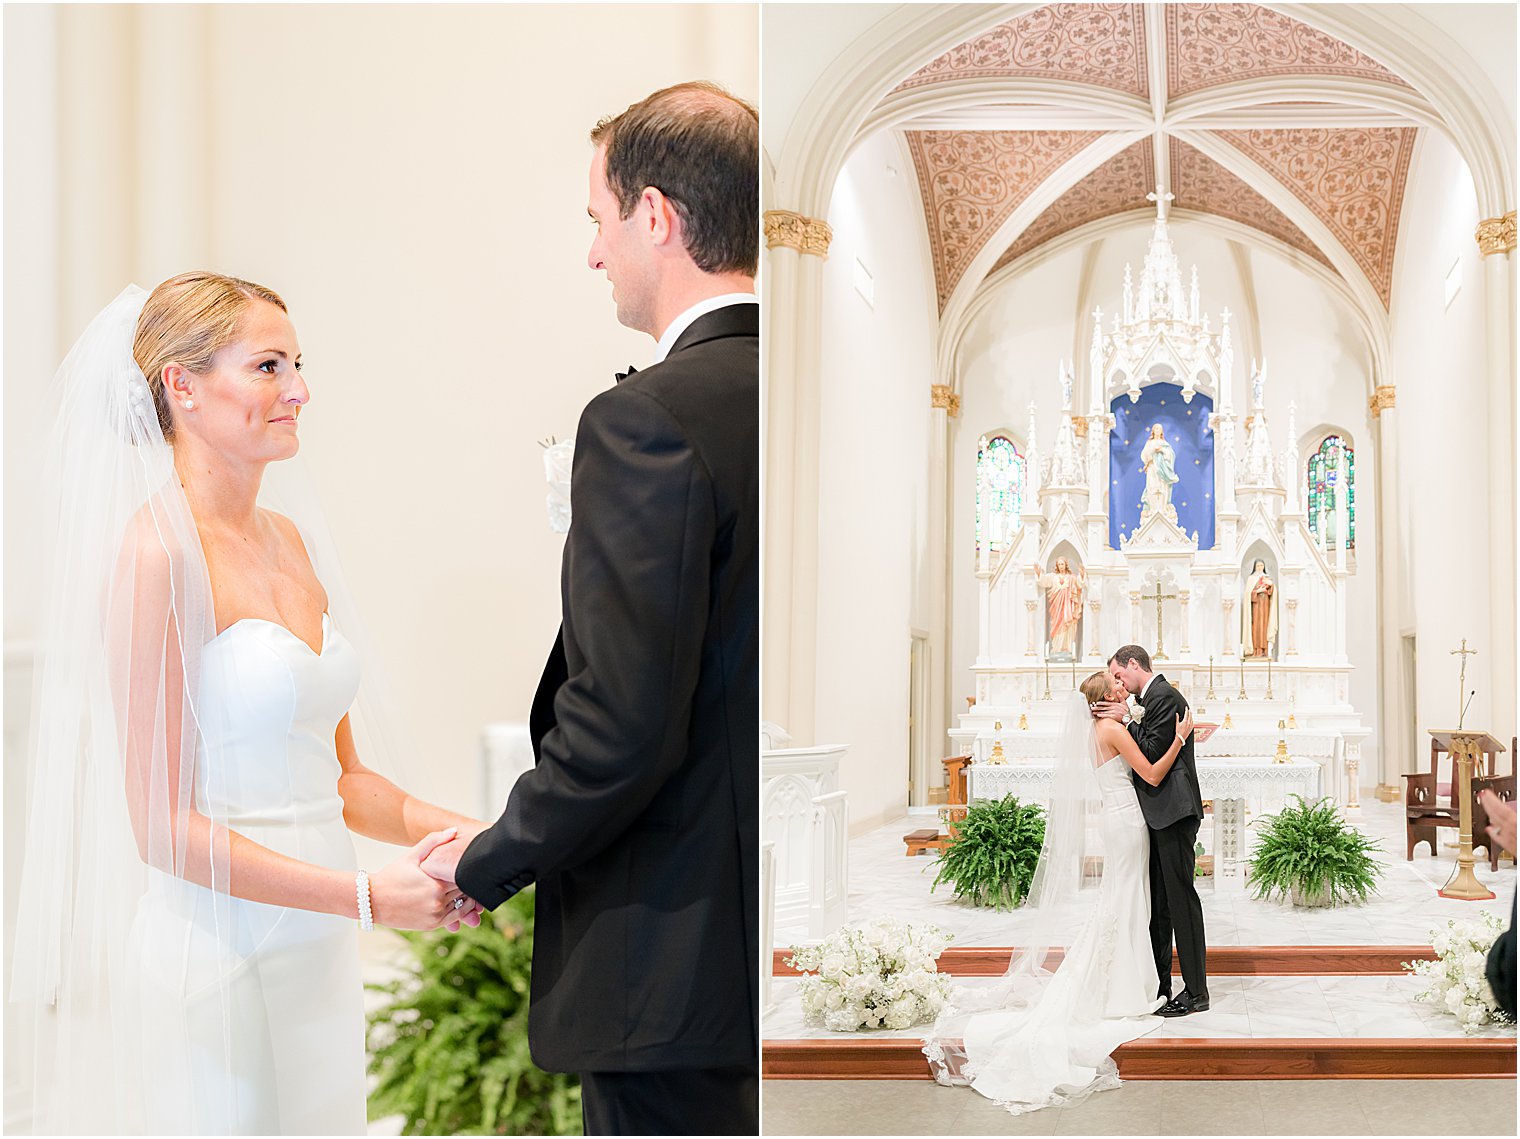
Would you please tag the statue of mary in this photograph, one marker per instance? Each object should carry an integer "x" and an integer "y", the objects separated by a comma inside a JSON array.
[{"x": 1159, "y": 462}]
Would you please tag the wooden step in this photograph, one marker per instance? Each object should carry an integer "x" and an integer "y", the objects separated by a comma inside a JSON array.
[
  {"x": 1223, "y": 960},
  {"x": 899, "y": 1058}
]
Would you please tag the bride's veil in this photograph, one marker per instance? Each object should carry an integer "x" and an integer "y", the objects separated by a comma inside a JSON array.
[
  {"x": 1062, "y": 895},
  {"x": 127, "y": 942}
]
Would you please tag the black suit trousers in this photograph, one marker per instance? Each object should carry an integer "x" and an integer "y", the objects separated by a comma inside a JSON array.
[
  {"x": 694, "y": 1101},
  {"x": 1175, "y": 908}
]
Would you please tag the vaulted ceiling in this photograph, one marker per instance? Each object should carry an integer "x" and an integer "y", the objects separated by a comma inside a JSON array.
[{"x": 1236, "y": 110}]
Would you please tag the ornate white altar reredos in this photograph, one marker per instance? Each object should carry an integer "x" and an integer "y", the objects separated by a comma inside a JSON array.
[{"x": 1161, "y": 499}]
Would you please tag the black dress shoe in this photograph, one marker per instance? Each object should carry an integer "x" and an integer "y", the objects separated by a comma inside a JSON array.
[{"x": 1183, "y": 1004}]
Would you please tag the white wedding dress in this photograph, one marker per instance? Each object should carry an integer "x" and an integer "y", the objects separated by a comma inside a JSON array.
[
  {"x": 268, "y": 709},
  {"x": 1057, "y": 1050}
]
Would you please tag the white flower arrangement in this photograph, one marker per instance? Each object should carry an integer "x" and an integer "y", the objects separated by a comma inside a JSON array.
[
  {"x": 878, "y": 975},
  {"x": 1457, "y": 979},
  {"x": 1136, "y": 710}
]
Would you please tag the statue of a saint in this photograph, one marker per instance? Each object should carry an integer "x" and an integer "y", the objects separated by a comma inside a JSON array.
[
  {"x": 1259, "y": 614},
  {"x": 1063, "y": 596},
  {"x": 1159, "y": 462}
]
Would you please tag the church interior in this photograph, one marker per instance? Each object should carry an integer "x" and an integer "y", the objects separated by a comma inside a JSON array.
[{"x": 1184, "y": 325}]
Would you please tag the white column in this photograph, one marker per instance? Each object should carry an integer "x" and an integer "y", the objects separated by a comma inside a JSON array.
[
  {"x": 1134, "y": 616},
  {"x": 1496, "y": 241},
  {"x": 797, "y": 246},
  {"x": 1034, "y": 636},
  {"x": 1095, "y": 628},
  {"x": 1183, "y": 596},
  {"x": 1395, "y": 747},
  {"x": 984, "y": 617},
  {"x": 1292, "y": 604},
  {"x": 938, "y": 674},
  {"x": 175, "y": 136},
  {"x": 1231, "y": 634}
]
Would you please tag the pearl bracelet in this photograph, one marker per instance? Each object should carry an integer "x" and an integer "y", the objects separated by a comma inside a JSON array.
[{"x": 366, "y": 915}]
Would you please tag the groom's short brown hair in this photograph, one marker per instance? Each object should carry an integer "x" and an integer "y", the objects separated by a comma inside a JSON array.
[
  {"x": 700, "y": 147},
  {"x": 1132, "y": 653}
]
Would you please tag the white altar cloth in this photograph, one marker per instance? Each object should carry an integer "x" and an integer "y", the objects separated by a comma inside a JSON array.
[{"x": 1218, "y": 778}]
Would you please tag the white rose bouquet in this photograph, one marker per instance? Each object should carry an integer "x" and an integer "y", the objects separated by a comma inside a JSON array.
[
  {"x": 1457, "y": 981},
  {"x": 878, "y": 975}
]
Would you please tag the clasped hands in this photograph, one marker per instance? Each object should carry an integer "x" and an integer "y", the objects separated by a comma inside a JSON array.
[{"x": 418, "y": 890}]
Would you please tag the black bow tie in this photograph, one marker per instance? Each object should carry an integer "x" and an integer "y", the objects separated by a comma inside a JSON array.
[{"x": 621, "y": 376}]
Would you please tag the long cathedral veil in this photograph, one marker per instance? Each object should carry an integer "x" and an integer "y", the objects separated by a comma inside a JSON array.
[
  {"x": 126, "y": 936},
  {"x": 1062, "y": 896}
]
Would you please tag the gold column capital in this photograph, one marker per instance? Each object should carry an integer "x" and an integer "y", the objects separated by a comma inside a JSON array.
[
  {"x": 1382, "y": 400},
  {"x": 1079, "y": 426},
  {"x": 942, "y": 395},
  {"x": 797, "y": 231},
  {"x": 1496, "y": 235}
]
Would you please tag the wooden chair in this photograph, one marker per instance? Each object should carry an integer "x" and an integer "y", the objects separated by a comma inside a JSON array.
[
  {"x": 1424, "y": 813},
  {"x": 1504, "y": 787}
]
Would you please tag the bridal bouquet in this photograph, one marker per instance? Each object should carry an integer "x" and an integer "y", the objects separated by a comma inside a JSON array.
[
  {"x": 877, "y": 975},
  {"x": 1456, "y": 979}
]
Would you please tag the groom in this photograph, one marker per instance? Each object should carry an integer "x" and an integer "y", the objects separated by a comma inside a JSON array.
[
  {"x": 1173, "y": 811},
  {"x": 639, "y": 822}
]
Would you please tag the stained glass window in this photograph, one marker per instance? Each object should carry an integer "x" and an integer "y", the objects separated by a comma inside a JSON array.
[
  {"x": 999, "y": 492},
  {"x": 1322, "y": 489}
]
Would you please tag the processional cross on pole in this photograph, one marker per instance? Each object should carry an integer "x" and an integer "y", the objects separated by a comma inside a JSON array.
[
  {"x": 1158, "y": 597},
  {"x": 1464, "y": 652}
]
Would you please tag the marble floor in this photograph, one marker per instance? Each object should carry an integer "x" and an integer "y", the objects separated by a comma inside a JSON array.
[
  {"x": 1207, "y": 1107},
  {"x": 884, "y": 882},
  {"x": 1253, "y": 1007}
]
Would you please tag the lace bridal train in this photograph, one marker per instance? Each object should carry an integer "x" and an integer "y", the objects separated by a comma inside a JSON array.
[{"x": 1040, "y": 1038}]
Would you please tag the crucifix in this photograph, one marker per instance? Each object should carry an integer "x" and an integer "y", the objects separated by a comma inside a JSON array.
[
  {"x": 1464, "y": 652},
  {"x": 1158, "y": 597}
]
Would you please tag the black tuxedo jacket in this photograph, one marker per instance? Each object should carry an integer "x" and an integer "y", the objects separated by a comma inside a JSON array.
[
  {"x": 1177, "y": 798},
  {"x": 639, "y": 821}
]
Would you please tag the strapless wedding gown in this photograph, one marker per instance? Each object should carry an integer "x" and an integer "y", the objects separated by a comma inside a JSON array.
[
  {"x": 287, "y": 979},
  {"x": 1102, "y": 994}
]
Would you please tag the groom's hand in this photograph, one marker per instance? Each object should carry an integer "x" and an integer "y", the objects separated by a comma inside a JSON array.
[{"x": 1111, "y": 710}]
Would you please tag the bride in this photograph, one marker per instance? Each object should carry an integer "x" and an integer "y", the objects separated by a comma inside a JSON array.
[
  {"x": 1040, "y": 1038},
  {"x": 187, "y": 929}
]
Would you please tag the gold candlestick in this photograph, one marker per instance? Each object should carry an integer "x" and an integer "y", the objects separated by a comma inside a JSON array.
[
  {"x": 1047, "y": 679},
  {"x": 1281, "y": 754},
  {"x": 1211, "y": 677},
  {"x": 1242, "y": 695},
  {"x": 997, "y": 755},
  {"x": 1269, "y": 678}
]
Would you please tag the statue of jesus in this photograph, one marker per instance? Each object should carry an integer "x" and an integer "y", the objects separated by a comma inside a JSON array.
[
  {"x": 1063, "y": 595},
  {"x": 1159, "y": 462}
]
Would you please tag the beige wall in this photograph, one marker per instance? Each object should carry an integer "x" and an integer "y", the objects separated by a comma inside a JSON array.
[{"x": 413, "y": 180}]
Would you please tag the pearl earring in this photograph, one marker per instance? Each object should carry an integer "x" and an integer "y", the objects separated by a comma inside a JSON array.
[{"x": 189, "y": 405}]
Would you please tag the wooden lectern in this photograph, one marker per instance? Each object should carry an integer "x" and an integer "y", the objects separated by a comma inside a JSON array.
[{"x": 1467, "y": 751}]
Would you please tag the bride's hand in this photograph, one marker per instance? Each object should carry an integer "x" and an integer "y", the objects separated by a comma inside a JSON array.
[
  {"x": 404, "y": 896},
  {"x": 1185, "y": 725}
]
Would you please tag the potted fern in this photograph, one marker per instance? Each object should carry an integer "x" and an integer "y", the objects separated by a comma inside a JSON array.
[
  {"x": 990, "y": 860},
  {"x": 449, "y": 1047},
  {"x": 1309, "y": 855}
]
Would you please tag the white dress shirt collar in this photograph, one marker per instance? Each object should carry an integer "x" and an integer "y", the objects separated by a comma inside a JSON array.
[
  {"x": 1147, "y": 687},
  {"x": 681, "y": 323}
]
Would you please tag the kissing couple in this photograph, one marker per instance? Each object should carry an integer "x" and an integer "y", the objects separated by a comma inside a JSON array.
[
  {"x": 1112, "y": 890},
  {"x": 204, "y": 747}
]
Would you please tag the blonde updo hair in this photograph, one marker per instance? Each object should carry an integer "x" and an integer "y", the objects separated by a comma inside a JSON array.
[
  {"x": 1097, "y": 687},
  {"x": 187, "y": 320}
]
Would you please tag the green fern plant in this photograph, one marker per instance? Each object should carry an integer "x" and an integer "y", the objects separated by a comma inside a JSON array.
[
  {"x": 991, "y": 860},
  {"x": 450, "y": 1046},
  {"x": 1308, "y": 854}
]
